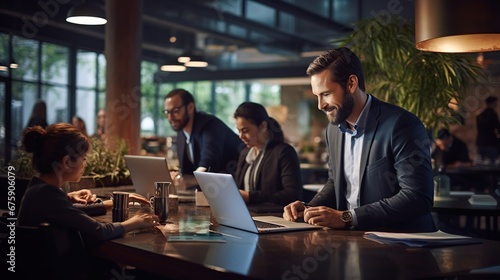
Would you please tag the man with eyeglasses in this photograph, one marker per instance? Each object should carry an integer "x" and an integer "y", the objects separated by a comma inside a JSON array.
[{"x": 204, "y": 142}]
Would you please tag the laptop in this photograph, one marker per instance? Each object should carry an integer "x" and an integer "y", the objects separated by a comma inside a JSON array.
[
  {"x": 230, "y": 209},
  {"x": 145, "y": 171}
]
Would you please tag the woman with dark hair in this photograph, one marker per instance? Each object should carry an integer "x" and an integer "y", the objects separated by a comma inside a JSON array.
[
  {"x": 79, "y": 123},
  {"x": 58, "y": 154},
  {"x": 38, "y": 115},
  {"x": 268, "y": 169}
]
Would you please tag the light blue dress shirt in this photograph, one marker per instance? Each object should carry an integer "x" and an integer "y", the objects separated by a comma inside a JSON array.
[{"x": 353, "y": 146}]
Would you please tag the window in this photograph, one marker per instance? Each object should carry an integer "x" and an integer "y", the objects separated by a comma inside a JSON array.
[
  {"x": 26, "y": 53},
  {"x": 55, "y": 60},
  {"x": 86, "y": 69},
  {"x": 149, "y": 107},
  {"x": 56, "y": 98}
]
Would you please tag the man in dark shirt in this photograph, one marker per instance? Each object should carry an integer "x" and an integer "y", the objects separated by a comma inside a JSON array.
[
  {"x": 488, "y": 129},
  {"x": 450, "y": 151}
]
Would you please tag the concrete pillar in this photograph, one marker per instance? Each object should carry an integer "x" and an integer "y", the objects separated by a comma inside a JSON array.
[{"x": 123, "y": 55}]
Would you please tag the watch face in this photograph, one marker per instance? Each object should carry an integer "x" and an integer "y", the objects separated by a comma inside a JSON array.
[{"x": 346, "y": 216}]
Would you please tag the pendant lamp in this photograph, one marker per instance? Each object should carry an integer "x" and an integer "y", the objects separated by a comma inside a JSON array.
[{"x": 457, "y": 26}]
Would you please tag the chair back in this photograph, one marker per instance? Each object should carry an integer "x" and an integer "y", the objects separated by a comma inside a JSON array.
[{"x": 45, "y": 252}]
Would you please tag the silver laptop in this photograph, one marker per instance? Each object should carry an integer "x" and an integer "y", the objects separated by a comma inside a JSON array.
[
  {"x": 145, "y": 171},
  {"x": 230, "y": 209}
]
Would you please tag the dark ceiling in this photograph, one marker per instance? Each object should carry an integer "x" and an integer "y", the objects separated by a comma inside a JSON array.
[
  {"x": 232, "y": 35},
  {"x": 241, "y": 39}
]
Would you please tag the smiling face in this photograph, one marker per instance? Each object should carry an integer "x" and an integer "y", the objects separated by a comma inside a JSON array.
[
  {"x": 333, "y": 99},
  {"x": 251, "y": 134},
  {"x": 177, "y": 112}
]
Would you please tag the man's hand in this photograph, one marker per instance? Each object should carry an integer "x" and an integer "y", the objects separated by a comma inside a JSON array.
[
  {"x": 82, "y": 196},
  {"x": 293, "y": 211},
  {"x": 245, "y": 195},
  {"x": 323, "y": 216}
]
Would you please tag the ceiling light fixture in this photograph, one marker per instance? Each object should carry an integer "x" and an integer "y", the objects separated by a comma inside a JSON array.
[
  {"x": 87, "y": 14},
  {"x": 185, "y": 57},
  {"x": 173, "y": 66},
  {"x": 457, "y": 26},
  {"x": 196, "y": 61},
  {"x": 13, "y": 65}
]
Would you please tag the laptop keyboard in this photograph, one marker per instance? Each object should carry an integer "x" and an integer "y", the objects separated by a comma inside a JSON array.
[{"x": 260, "y": 224}]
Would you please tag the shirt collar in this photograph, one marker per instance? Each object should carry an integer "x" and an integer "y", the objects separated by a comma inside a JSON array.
[
  {"x": 360, "y": 124},
  {"x": 188, "y": 137}
]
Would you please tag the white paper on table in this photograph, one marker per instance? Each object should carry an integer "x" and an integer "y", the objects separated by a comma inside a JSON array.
[
  {"x": 421, "y": 239},
  {"x": 482, "y": 199}
]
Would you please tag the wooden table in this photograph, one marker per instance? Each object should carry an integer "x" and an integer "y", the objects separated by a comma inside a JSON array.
[{"x": 316, "y": 254}]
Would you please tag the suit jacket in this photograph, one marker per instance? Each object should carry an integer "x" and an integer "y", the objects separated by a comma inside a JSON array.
[
  {"x": 278, "y": 179},
  {"x": 215, "y": 146},
  {"x": 396, "y": 190}
]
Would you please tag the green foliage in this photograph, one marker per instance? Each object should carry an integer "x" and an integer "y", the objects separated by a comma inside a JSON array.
[
  {"x": 103, "y": 162},
  {"x": 23, "y": 167},
  {"x": 423, "y": 83}
]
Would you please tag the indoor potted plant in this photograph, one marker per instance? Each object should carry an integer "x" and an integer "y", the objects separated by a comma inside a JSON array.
[{"x": 423, "y": 83}]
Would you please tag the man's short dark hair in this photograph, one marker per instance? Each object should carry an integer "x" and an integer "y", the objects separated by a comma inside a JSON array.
[
  {"x": 443, "y": 134},
  {"x": 490, "y": 99},
  {"x": 342, "y": 63},
  {"x": 185, "y": 95}
]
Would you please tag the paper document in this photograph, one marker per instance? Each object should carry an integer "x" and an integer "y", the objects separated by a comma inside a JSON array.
[
  {"x": 423, "y": 239},
  {"x": 482, "y": 199}
]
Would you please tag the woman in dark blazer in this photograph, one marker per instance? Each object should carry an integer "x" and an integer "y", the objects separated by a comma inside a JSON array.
[{"x": 268, "y": 169}]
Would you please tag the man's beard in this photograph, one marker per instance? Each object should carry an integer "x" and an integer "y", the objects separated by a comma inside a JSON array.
[
  {"x": 343, "y": 111},
  {"x": 182, "y": 123}
]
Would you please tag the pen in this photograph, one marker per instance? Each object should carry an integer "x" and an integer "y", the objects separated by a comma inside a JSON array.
[{"x": 305, "y": 204}]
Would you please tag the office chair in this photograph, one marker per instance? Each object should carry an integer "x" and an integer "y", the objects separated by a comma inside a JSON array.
[{"x": 45, "y": 252}]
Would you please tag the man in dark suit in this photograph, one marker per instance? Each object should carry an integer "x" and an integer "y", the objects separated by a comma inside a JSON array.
[
  {"x": 450, "y": 151},
  {"x": 380, "y": 174},
  {"x": 204, "y": 142}
]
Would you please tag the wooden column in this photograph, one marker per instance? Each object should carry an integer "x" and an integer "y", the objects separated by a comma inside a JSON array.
[{"x": 123, "y": 55}]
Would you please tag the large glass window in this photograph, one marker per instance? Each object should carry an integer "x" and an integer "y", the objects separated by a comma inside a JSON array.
[
  {"x": 55, "y": 64},
  {"x": 56, "y": 98},
  {"x": 85, "y": 108},
  {"x": 101, "y": 74},
  {"x": 86, "y": 69},
  {"x": 4, "y": 54},
  {"x": 229, "y": 94},
  {"x": 203, "y": 96},
  {"x": 24, "y": 96},
  {"x": 264, "y": 94},
  {"x": 25, "y": 52},
  {"x": 149, "y": 107}
]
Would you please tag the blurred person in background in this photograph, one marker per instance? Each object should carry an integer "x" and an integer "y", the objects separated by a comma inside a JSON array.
[
  {"x": 488, "y": 132},
  {"x": 79, "y": 123},
  {"x": 38, "y": 115}
]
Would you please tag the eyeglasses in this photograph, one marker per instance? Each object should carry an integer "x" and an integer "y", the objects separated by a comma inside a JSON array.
[{"x": 174, "y": 111}]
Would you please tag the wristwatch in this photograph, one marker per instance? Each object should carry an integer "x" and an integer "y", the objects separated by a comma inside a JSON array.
[{"x": 346, "y": 217}]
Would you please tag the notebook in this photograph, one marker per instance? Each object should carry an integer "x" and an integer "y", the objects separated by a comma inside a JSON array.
[
  {"x": 229, "y": 208},
  {"x": 145, "y": 171}
]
